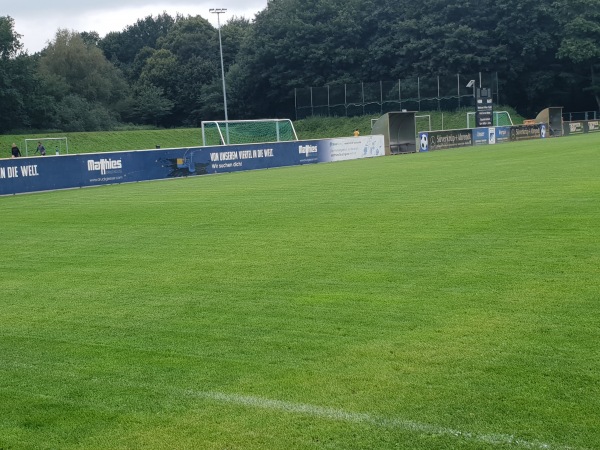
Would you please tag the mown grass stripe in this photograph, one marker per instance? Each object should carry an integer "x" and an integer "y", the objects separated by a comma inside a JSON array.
[{"x": 370, "y": 419}]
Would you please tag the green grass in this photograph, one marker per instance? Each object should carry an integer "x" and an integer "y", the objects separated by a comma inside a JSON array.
[
  {"x": 107, "y": 141},
  {"x": 442, "y": 300},
  {"x": 311, "y": 128}
]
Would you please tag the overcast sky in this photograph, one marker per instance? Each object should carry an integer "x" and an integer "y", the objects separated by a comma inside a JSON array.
[{"x": 37, "y": 20}]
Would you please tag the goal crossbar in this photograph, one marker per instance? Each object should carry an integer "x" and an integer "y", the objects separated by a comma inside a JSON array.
[
  {"x": 497, "y": 115},
  {"x": 35, "y": 140},
  {"x": 228, "y": 132}
]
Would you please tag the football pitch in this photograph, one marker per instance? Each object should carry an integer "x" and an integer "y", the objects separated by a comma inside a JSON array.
[{"x": 443, "y": 300}]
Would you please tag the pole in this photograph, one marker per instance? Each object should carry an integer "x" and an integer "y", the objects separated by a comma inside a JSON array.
[{"x": 218, "y": 12}]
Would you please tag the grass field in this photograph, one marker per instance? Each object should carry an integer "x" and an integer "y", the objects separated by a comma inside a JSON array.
[{"x": 429, "y": 301}]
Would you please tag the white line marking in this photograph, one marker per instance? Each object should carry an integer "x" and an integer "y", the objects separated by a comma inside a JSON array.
[{"x": 365, "y": 418}]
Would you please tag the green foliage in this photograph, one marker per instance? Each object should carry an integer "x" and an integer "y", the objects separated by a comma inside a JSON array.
[
  {"x": 10, "y": 44},
  {"x": 166, "y": 70},
  {"x": 12, "y": 101},
  {"x": 82, "y": 69},
  {"x": 191, "y": 36},
  {"x": 122, "y": 48},
  {"x": 75, "y": 113},
  {"x": 150, "y": 105},
  {"x": 581, "y": 40},
  {"x": 446, "y": 300},
  {"x": 294, "y": 43}
]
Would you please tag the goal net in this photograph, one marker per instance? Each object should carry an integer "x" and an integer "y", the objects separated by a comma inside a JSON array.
[
  {"x": 501, "y": 118},
  {"x": 221, "y": 132},
  {"x": 423, "y": 123},
  {"x": 49, "y": 146}
]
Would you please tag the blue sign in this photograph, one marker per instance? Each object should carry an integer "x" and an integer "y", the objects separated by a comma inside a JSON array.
[
  {"x": 33, "y": 174},
  {"x": 481, "y": 136}
]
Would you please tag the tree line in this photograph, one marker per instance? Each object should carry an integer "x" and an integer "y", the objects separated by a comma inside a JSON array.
[{"x": 165, "y": 71}]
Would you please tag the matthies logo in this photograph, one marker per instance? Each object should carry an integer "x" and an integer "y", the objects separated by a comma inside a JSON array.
[
  {"x": 307, "y": 149},
  {"x": 104, "y": 165}
]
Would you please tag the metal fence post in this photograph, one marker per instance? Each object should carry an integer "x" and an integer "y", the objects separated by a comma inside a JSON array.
[
  {"x": 362, "y": 86},
  {"x": 400, "y": 94},
  {"x": 346, "y": 99},
  {"x": 419, "y": 92},
  {"x": 438, "y": 95},
  {"x": 457, "y": 90}
]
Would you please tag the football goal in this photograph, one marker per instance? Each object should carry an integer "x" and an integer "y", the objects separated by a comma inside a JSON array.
[
  {"x": 221, "y": 132},
  {"x": 423, "y": 122},
  {"x": 420, "y": 121},
  {"x": 50, "y": 145},
  {"x": 501, "y": 118}
]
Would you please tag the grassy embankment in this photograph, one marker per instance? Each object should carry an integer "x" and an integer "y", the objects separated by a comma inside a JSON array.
[{"x": 312, "y": 128}]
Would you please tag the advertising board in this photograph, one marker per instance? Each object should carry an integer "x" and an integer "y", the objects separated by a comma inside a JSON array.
[{"x": 33, "y": 174}]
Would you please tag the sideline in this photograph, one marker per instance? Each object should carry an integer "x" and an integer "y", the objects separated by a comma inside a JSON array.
[{"x": 369, "y": 419}]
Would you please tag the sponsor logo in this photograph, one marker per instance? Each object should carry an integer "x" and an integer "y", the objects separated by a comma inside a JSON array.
[
  {"x": 575, "y": 127},
  {"x": 307, "y": 149},
  {"x": 104, "y": 165},
  {"x": 492, "y": 136},
  {"x": 424, "y": 142}
]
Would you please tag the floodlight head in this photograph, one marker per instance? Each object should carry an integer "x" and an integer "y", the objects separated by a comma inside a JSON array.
[
  {"x": 217, "y": 10},
  {"x": 471, "y": 83}
]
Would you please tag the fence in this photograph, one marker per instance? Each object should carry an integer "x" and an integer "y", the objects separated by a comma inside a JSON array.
[
  {"x": 581, "y": 115},
  {"x": 435, "y": 93}
]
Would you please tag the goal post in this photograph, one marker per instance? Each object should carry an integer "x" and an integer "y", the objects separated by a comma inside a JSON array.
[
  {"x": 419, "y": 120},
  {"x": 229, "y": 132},
  {"x": 501, "y": 118},
  {"x": 53, "y": 145}
]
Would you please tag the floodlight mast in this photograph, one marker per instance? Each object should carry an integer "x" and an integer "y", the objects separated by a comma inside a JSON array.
[
  {"x": 218, "y": 12},
  {"x": 472, "y": 84}
]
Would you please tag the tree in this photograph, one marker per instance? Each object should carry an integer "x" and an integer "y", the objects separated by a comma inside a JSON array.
[
  {"x": 75, "y": 113},
  {"x": 12, "y": 72},
  {"x": 10, "y": 45},
  {"x": 297, "y": 43},
  {"x": 580, "y": 42},
  {"x": 122, "y": 48},
  {"x": 81, "y": 69},
  {"x": 150, "y": 105},
  {"x": 77, "y": 73}
]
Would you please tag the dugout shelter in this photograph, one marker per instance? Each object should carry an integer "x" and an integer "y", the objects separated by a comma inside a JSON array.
[
  {"x": 553, "y": 117},
  {"x": 399, "y": 130}
]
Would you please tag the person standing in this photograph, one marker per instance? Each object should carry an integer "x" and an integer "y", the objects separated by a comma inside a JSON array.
[
  {"x": 41, "y": 149},
  {"x": 15, "y": 151},
  {"x": 356, "y": 133}
]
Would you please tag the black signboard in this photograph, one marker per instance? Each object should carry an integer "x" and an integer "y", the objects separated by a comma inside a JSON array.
[{"x": 484, "y": 115}]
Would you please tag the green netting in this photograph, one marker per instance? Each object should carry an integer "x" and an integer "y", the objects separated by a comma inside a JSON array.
[
  {"x": 247, "y": 131},
  {"x": 501, "y": 118}
]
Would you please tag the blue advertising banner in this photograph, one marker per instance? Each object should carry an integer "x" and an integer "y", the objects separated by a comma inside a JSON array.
[
  {"x": 484, "y": 136},
  {"x": 502, "y": 134},
  {"x": 34, "y": 174},
  {"x": 481, "y": 136}
]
